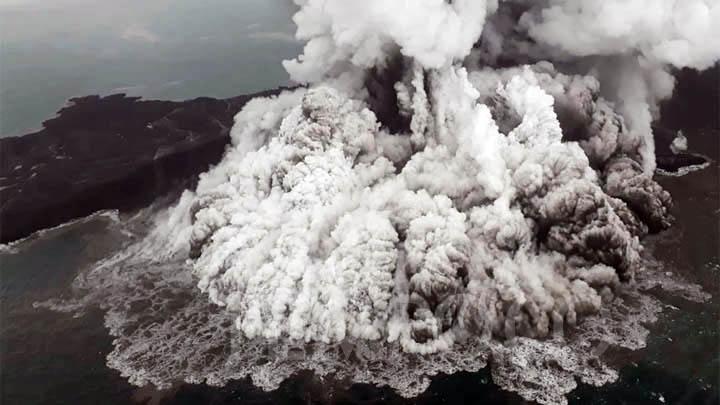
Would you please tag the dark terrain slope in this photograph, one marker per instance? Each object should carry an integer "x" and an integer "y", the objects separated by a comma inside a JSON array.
[{"x": 113, "y": 152}]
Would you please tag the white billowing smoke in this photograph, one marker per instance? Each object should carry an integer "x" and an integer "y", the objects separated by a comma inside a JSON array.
[
  {"x": 341, "y": 34},
  {"x": 681, "y": 33},
  {"x": 649, "y": 35},
  {"x": 633, "y": 40},
  {"x": 509, "y": 207},
  {"x": 319, "y": 236}
]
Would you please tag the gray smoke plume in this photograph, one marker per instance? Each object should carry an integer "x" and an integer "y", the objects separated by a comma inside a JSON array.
[{"x": 507, "y": 209}]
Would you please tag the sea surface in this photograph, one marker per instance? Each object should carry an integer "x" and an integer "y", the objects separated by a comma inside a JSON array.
[
  {"x": 52, "y": 358},
  {"x": 51, "y": 51}
]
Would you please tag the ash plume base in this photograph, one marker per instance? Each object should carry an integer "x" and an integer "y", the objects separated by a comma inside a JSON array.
[
  {"x": 185, "y": 338},
  {"x": 439, "y": 196}
]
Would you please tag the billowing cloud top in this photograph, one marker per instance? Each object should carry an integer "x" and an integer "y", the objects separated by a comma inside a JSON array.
[
  {"x": 683, "y": 33},
  {"x": 433, "y": 32}
]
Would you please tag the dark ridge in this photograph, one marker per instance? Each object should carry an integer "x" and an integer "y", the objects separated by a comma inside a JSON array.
[
  {"x": 113, "y": 152},
  {"x": 382, "y": 97}
]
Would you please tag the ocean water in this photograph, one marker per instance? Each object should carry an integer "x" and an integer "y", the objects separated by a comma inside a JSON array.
[
  {"x": 51, "y": 51},
  {"x": 53, "y": 358}
]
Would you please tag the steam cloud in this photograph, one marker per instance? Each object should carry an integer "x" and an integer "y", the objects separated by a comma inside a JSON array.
[{"x": 508, "y": 205}]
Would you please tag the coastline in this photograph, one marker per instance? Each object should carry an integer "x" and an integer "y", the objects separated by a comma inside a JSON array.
[{"x": 105, "y": 153}]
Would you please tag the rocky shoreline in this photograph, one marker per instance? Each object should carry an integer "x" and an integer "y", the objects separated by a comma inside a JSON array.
[{"x": 113, "y": 152}]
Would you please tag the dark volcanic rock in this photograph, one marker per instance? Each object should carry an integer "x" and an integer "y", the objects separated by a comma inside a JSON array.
[{"x": 113, "y": 152}]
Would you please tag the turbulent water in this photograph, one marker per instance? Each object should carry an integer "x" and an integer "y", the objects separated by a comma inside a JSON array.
[{"x": 437, "y": 198}]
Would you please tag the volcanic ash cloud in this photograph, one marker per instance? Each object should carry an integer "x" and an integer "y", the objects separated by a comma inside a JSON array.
[
  {"x": 336, "y": 229},
  {"x": 498, "y": 222}
]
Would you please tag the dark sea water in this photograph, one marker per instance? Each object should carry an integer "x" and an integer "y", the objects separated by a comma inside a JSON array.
[{"x": 52, "y": 358}]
